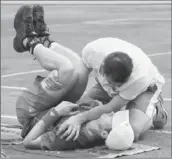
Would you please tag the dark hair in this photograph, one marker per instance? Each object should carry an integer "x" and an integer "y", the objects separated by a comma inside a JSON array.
[{"x": 118, "y": 66}]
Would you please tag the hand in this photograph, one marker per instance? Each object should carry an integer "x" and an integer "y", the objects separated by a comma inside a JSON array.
[
  {"x": 70, "y": 129},
  {"x": 67, "y": 108},
  {"x": 51, "y": 81},
  {"x": 88, "y": 102}
]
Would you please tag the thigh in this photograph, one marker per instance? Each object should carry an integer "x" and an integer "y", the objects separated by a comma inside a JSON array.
[
  {"x": 140, "y": 122},
  {"x": 142, "y": 102},
  {"x": 142, "y": 110}
]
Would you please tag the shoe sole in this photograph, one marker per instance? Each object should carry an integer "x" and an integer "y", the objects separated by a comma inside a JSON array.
[
  {"x": 158, "y": 124},
  {"x": 40, "y": 9}
]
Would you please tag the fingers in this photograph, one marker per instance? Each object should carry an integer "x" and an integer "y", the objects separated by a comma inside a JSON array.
[
  {"x": 77, "y": 134},
  {"x": 73, "y": 113},
  {"x": 73, "y": 106},
  {"x": 62, "y": 128},
  {"x": 71, "y": 136},
  {"x": 67, "y": 132},
  {"x": 94, "y": 103},
  {"x": 54, "y": 85},
  {"x": 52, "y": 82},
  {"x": 85, "y": 107},
  {"x": 55, "y": 75}
]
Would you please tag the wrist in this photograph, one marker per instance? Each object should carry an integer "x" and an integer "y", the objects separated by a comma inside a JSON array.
[
  {"x": 56, "y": 112},
  {"x": 81, "y": 118},
  {"x": 50, "y": 117}
]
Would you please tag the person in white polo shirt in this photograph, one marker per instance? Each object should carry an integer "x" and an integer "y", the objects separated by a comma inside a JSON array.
[{"x": 125, "y": 77}]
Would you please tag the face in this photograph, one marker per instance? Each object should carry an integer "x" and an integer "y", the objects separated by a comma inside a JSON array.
[
  {"x": 113, "y": 83},
  {"x": 100, "y": 127},
  {"x": 109, "y": 79}
]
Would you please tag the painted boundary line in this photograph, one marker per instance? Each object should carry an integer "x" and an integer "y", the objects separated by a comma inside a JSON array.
[
  {"x": 37, "y": 71},
  {"x": 86, "y": 2},
  {"x": 106, "y": 21},
  {"x": 11, "y": 87},
  {"x": 22, "y": 73},
  {"x": 24, "y": 88}
]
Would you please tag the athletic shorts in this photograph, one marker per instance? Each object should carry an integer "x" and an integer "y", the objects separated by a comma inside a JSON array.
[{"x": 32, "y": 105}]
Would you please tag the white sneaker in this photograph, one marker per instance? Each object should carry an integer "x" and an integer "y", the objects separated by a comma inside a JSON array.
[{"x": 160, "y": 118}]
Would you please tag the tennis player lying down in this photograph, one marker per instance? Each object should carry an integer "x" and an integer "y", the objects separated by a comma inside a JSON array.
[{"x": 113, "y": 129}]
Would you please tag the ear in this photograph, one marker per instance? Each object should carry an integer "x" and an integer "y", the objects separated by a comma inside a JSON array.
[{"x": 104, "y": 134}]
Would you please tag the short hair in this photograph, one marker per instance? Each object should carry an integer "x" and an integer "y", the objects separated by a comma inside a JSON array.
[{"x": 118, "y": 66}]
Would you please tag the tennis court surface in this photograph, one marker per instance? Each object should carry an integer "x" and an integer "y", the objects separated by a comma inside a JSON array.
[{"x": 147, "y": 26}]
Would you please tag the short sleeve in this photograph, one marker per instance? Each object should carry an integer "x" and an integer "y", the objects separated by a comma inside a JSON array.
[{"x": 131, "y": 91}]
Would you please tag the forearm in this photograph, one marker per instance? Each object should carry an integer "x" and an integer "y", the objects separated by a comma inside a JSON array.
[
  {"x": 94, "y": 113},
  {"x": 48, "y": 119},
  {"x": 114, "y": 105}
]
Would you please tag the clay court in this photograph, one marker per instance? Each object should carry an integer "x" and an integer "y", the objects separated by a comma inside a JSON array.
[{"x": 147, "y": 26}]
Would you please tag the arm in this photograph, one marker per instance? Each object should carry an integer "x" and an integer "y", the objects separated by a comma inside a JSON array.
[
  {"x": 114, "y": 105},
  {"x": 33, "y": 139},
  {"x": 76, "y": 121}
]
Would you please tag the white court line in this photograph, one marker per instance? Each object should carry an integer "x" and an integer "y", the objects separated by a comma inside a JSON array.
[
  {"x": 125, "y": 20},
  {"x": 159, "y": 54},
  {"x": 37, "y": 71},
  {"x": 105, "y": 21},
  {"x": 162, "y": 131},
  {"x": 11, "y": 87},
  {"x": 22, "y": 73},
  {"x": 8, "y": 117},
  {"x": 24, "y": 88}
]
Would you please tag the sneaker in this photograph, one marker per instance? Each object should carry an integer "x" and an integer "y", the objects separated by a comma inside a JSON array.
[
  {"x": 23, "y": 24},
  {"x": 160, "y": 118},
  {"x": 38, "y": 21}
]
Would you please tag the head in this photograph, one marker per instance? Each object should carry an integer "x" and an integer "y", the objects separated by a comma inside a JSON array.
[
  {"x": 101, "y": 127},
  {"x": 117, "y": 68}
]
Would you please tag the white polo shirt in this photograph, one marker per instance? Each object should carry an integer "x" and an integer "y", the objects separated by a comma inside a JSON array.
[{"x": 144, "y": 73}]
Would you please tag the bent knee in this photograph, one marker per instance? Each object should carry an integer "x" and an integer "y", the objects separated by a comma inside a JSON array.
[{"x": 67, "y": 76}]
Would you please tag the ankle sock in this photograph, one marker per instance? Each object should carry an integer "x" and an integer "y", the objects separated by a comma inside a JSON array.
[
  {"x": 30, "y": 43},
  {"x": 46, "y": 41}
]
